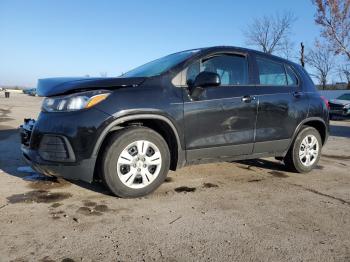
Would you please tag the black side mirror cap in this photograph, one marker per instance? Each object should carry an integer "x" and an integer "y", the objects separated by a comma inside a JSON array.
[{"x": 205, "y": 79}]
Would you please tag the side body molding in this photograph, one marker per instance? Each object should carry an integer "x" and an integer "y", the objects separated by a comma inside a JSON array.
[{"x": 181, "y": 153}]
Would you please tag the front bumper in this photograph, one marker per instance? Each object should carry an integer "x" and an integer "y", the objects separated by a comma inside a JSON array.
[
  {"x": 84, "y": 170},
  {"x": 339, "y": 111},
  {"x": 62, "y": 144}
]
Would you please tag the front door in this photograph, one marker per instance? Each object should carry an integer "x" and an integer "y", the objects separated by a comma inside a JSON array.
[{"x": 221, "y": 121}]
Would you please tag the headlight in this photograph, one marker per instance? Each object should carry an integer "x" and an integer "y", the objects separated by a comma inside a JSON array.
[{"x": 75, "y": 101}]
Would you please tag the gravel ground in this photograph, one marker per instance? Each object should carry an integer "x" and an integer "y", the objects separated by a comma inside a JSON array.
[{"x": 240, "y": 211}]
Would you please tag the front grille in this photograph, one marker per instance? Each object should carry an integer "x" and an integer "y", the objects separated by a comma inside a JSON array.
[
  {"x": 54, "y": 148},
  {"x": 334, "y": 106}
]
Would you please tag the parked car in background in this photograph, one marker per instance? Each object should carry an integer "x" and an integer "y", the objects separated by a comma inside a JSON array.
[
  {"x": 196, "y": 106},
  {"x": 27, "y": 90},
  {"x": 340, "y": 107},
  {"x": 32, "y": 92}
]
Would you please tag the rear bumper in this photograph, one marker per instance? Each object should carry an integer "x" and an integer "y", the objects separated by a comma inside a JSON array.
[{"x": 83, "y": 170}]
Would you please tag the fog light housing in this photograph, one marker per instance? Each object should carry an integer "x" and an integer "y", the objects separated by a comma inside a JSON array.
[{"x": 56, "y": 148}]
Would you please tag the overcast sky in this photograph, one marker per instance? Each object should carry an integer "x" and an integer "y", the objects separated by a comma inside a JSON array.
[{"x": 41, "y": 39}]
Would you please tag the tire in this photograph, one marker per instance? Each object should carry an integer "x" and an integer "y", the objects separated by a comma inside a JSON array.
[
  {"x": 126, "y": 171},
  {"x": 300, "y": 164}
]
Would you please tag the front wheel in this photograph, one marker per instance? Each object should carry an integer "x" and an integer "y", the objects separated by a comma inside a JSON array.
[
  {"x": 135, "y": 162},
  {"x": 305, "y": 151}
]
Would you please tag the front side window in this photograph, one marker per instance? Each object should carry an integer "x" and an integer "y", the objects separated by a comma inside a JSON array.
[
  {"x": 232, "y": 69},
  {"x": 271, "y": 73}
]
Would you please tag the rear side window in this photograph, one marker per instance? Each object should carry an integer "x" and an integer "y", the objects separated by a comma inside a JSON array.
[
  {"x": 271, "y": 73},
  {"x": 291, "y": 77},
  {"x": 232, "y": 69}
]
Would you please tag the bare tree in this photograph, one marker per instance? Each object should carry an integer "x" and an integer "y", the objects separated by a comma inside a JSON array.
[
  {"x": 334, "y": 18},
  {"x": 322, "y": 61},
  {"x": 271, "y": 33},
  {"x": 344, "y": 72}
]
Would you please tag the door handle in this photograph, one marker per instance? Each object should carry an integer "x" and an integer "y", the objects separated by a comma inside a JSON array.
[
  {"x": 248, "y": 99},
  {"x": 297, "y": 94}
]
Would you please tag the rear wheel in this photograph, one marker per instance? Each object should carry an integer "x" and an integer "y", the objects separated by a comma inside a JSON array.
[
  {"x": 305, "y": 151},
  {"x": 135, "y": 162}
]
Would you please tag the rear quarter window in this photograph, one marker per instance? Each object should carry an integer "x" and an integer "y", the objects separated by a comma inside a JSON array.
[{"x": 271, "y": 73}]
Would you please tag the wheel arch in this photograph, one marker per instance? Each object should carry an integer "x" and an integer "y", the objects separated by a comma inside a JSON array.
[
  {"x": 316, "y": 122},
  {"x": 161, "y": 124}
]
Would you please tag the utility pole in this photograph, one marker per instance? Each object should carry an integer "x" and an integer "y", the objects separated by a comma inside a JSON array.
[{"x": 302, "y": 58}]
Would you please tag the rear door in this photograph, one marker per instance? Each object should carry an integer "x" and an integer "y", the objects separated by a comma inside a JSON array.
[
  {"x": 221, "y": 121},
  {"x": 282, "y": 105}
]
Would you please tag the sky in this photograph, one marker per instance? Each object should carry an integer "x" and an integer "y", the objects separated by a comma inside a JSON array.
[{"x": 47, "y": 38}]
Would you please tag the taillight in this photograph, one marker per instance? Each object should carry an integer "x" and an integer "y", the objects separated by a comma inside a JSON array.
[{"x": 325, "y": 100}]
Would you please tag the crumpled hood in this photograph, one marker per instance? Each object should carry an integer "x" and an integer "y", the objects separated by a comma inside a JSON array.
[
  {"x": 63, "y": 85},
  {"x": 340, "y": 102}
]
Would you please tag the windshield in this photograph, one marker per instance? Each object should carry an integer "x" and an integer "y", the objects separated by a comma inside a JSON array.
[
  {"x": 344, "y": 97},
  {"x": 160, "y": 65}
]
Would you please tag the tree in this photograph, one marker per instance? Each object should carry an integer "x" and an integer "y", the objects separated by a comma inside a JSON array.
[
  {"x": 322, "y": 61},
  {"x": 334, "y": 18},
  {"x": 271, "y": 33},
  {"x": 344, "y": 72}
]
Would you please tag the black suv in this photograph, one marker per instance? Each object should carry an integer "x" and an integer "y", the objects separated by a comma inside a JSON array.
[{"x": 202, "y": 105}]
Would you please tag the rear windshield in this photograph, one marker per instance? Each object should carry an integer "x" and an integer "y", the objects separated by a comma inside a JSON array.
[
  {"x": 344, "y": 97},
  {"x": 160, "y": 65}
]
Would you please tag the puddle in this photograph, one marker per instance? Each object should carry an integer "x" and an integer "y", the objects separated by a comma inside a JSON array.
[
  {"x": 101, "y": 208},
  {"x": 88, "y": 211},
  {"x": 89, "y": 203},
  {"x": 91, "y": 208},
  {"x": 38, "y": 196},
  {"x": 278, "y": 174},
  {"x": 46, "y": 259},
  {"x": 209, "y": 185},
  {"x": 42, "y": 182},
  {"x": 67, "y": 260},
  {"x": 4, "y": 116},
  {"x": 255, "y": 180},
  {"x": 56, "y": 205},
  {"x": 57, "y": 214},
  {"x": 185, "y": 189}
]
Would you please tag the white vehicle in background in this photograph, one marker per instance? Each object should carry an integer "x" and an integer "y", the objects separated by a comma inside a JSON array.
[{"x": 340, "y": 107}]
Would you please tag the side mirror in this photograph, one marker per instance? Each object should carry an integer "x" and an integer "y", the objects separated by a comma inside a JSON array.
[{"x": 205, "y": 79}]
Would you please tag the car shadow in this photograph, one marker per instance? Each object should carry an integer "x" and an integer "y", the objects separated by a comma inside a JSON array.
[
  {"x": 95, "y": 186},
  {"x": 340, "y": 131},
  {"x": 264, "y": 164},
  {"x": 10, "y": 152}
]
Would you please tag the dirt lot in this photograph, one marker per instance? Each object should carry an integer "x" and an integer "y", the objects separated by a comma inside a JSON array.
[{"x": 243, "y": 211}]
